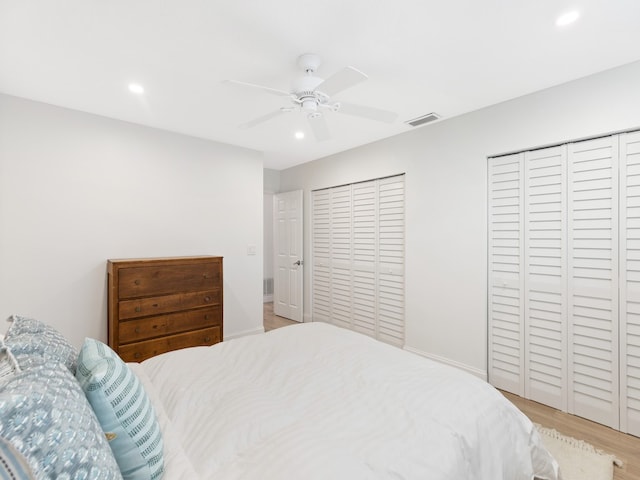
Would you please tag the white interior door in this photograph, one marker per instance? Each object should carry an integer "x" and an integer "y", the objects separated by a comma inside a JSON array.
[{"x": 288, "y": 262}]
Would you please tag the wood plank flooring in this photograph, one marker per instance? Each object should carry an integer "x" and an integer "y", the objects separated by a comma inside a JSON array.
[
  {"x": 624, "y": 447},
  {"x": 273, "y": 321}
]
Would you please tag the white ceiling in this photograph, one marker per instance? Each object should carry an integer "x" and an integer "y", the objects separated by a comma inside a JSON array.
[{"x": 444, "y": 56}]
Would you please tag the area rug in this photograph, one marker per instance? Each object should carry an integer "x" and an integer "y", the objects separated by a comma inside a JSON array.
[{"x": 578, "y": 460}]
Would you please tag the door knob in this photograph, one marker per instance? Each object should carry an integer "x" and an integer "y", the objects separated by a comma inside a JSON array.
[{"x": 299, "y": 262}]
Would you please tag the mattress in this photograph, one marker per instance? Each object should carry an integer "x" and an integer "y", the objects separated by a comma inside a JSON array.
[{"x": 314, "y": 401}]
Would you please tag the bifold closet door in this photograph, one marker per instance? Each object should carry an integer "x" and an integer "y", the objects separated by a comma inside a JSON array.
[
  {"x": 506, "y": 281},
  {"x": 358, "y": 257},
  {"x": 630, "y": 283},
  {"x": 593, "y": 385},
  {"x": 545, "y": 276}
]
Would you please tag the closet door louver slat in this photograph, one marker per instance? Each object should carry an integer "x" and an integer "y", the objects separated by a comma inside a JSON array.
[
  {"x": 506, "y": 330},
  {"x": 545, "y": 277},
  {"x": 593, "y": 386},
  {"x": 630, "y": 283}
]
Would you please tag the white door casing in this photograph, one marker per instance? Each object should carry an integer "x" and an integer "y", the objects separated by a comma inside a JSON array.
[{"x": 288, "y": 261}]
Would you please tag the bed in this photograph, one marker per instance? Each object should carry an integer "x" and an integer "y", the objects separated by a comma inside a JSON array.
[{"x": 314, "y": 401}]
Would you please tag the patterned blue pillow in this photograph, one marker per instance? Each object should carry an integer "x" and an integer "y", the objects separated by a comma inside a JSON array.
[
  {"x": 8, "y": 364},
  {"x": 123, "y": 409},
  {"x": 47, "y": 419},
  {"x": 12, "y": 464},
  {"x": 33, "y": 342}
]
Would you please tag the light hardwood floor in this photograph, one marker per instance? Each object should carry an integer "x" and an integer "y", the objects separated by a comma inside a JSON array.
[
  {"x": 624, "y": 447},
  {"x": 273, "y": 321}
]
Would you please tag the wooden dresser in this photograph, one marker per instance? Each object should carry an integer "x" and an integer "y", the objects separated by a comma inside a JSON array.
[{"x": 161, "y": 304}]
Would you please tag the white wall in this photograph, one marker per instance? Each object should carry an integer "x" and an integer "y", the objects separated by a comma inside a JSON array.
[
  {"x": 446, "y": 169},
  {"x": 77, "y": 189}
]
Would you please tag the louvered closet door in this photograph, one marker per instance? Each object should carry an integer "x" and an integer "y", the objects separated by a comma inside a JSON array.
[
  {"x": 506, "y": 291},
  {"x": 358, "y": 257},
  {"x": 365, "y": 257},
  {"x": 593, "y": 280},
  {"x": 630, "y": 283},
  {"x": 341, "y": 257},
  {"x": 545, "y": 276},
  {"x": 321, "y": 238},
  {"x": 391, "y": 260}
]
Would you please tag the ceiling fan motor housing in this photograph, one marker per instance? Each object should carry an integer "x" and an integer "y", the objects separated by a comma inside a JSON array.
[{"x": 309, "y": 62}]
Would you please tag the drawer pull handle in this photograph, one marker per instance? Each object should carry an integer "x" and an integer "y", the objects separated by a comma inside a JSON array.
[
  {"x": 205, "y": 276},
  {"x": 138, "y": 309},
  {"x": 137, "y": 282},
  {"x": 207, "y": 339},
  {"x": 206, "y": 317},
  {"x": 207, "y": 298},
  {"x": 137, "y": 330},
  {"x": 137, "y": 355}
]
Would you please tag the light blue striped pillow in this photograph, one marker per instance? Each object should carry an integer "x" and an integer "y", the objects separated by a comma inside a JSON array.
[{"x": 123, "y": 409}]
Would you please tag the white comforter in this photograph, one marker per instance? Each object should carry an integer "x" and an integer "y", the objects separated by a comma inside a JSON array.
[{"x": 313, "y": 401}]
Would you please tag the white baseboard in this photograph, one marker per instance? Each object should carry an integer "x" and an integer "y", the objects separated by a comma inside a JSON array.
[
  {"x": 244, "y": 333},
  {"x": 267, "y": 298},
  {"x": 472, "y": 370}
]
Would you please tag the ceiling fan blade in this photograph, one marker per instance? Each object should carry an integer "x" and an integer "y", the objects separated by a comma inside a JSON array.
[
  {"x": 263, "y": 118},
  {"x": 367, "y": 112},
  {"x": 345, "y": 78},
  {"x": 319, "y": 128},
  {"x": 273, "y": 91}
]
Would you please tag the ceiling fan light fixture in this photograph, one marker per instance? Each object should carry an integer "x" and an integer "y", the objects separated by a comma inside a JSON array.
[{"x": 309, "y": 105}]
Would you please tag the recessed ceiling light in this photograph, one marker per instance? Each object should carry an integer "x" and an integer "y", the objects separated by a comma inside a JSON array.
[
  {"x": 567, "y": 18},
  {"x": 299, "y": 135},
  {"x": 136, "y": 88}
]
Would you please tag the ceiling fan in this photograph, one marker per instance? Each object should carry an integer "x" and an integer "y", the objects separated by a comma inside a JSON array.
[{"x": 313, "y": 95}]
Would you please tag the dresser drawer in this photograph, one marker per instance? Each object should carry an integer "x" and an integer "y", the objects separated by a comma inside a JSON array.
[
  {"x": 137, "y": 352},
  {"x": 157, "y": 326},
  {"x": 143, "y": 307},
  {"x": 163, "y": 279}
]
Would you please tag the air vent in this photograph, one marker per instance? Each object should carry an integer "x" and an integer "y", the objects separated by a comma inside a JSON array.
[{"x": 429, "y": 117}]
